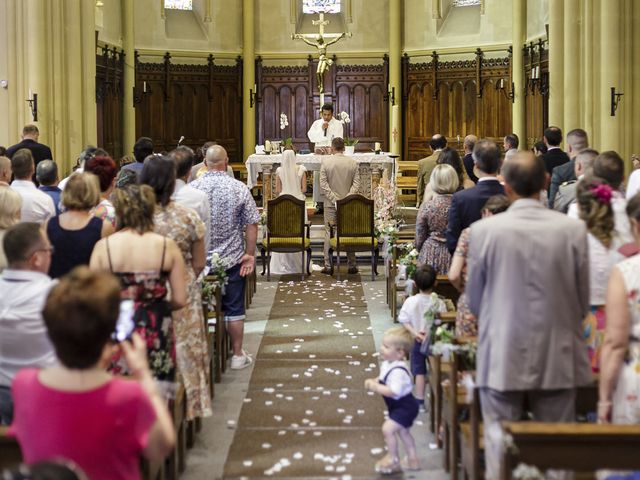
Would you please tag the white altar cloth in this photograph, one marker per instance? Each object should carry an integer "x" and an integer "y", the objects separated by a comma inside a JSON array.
[{"x": 311, "y": 162}]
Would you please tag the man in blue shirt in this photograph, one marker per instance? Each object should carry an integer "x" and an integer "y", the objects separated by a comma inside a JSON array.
[{"x": 47, "y": 176}]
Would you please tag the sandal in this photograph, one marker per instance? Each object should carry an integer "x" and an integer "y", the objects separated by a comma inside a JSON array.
[
  {"x": 388, "y": 466},
  {"x": 411, "y": 465}
]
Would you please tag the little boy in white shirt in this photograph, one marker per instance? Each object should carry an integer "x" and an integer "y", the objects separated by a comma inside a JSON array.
[{"x": 417, "y": 315}]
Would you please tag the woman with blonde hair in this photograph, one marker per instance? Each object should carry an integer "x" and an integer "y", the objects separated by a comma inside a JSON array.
[
  {"x": 433, "y": 217},
  {"x": 74, "y": 233},
  {"x": 593, "y": 196},
  {"x": 10, "y": 207},
  {"x": 146, "y": 264}
]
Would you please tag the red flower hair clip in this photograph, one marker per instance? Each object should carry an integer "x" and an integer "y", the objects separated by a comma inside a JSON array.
[{"x": 603, "y": 193}]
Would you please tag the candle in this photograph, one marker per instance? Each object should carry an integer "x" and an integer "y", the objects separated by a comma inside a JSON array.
[
  {"x": 144, "y": 87},
  {"x": 395, "y": 128},
  {"x": 377, "y": 147},
  {"x": 30, "y": 94}
]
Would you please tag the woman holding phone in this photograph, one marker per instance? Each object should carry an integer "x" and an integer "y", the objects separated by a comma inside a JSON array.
[{"x": 77, "y": 410}]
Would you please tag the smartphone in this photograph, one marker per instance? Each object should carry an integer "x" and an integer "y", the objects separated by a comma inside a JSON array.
[{"x": 125, "y": 324}]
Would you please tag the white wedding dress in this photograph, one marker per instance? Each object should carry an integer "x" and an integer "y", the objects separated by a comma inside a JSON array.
[{"x": 290, "y": 176}]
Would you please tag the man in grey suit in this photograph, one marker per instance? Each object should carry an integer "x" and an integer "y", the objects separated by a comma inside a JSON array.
[
  {"x": 339, "y": 177},
  {"x": 529, "y": 288},
  {"x": 427, "y": 164}
]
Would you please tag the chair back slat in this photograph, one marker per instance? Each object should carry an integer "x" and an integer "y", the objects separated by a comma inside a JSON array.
[
  {"x": 285, "y": 217},
  {"x": 355, "y": 217}
]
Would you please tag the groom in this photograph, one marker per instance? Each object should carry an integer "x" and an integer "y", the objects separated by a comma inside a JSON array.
[{"x": 339, "y": 177}]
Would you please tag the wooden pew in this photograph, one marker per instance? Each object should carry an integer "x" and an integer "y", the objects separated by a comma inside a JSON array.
[
  {"x": 216, "y": 328},
  {"x": 445, "y": 289},
  {"x": 583, "y": 447},
  {"x": 407, "y": 181},
  {"x": 10, "y": 453},
  {"x": 178, "y": 409}
]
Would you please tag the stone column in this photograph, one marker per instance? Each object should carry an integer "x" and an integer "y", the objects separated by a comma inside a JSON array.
[
  {"x": 34, "y": 28},
  {"x": 588, "y": 68},
  {"x": 611, "y": 55},
  {"x": 248, "y": 79},
  {"x": 395, "y": 75},
  {"x": 556, "y": 62},
  {"x": 571, "y": 79},
  {"x": 519, "y": 28},
  {"x": 128, "y": 45}
]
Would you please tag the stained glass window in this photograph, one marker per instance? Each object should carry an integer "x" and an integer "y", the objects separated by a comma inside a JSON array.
[
  {"x": 465, "y": 3},
  {"x": 178, "y": 4},
  {"x": 317, "y": 6}
]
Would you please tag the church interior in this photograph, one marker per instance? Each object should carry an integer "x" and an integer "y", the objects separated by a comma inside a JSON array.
[{"x": 331, "y": 259}]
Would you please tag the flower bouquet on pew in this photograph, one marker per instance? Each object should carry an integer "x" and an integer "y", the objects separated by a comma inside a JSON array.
[{"x": 215, "y": 273}]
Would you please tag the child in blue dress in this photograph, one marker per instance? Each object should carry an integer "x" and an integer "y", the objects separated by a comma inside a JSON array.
[{"x": 395, "y": 384}]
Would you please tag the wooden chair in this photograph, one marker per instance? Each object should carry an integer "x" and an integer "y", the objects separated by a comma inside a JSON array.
[
  {"x": 445, "y": 289},
  {"x": 287, "y": 231},
  {"x": 178, "y": 408},
  {"x": 582, "y": 447},
  {"x": 10, "y": 453},
  {"x": 216, "y": 331},
  {"x": 355, "y": 230}
]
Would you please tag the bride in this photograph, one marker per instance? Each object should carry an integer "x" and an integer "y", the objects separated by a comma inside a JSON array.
[{"x": 291, "y": 179}]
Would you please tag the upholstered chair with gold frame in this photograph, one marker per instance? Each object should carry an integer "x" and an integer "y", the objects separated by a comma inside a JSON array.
[
  {"x": 287, "y": 230},
  {"x": 354, "y": 230}
]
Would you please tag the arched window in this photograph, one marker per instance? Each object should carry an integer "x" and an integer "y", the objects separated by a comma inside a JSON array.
[{"x": 178, "y": 4}]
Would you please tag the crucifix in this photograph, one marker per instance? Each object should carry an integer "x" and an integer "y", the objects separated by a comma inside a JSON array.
[{"x": 318, "y": 41}]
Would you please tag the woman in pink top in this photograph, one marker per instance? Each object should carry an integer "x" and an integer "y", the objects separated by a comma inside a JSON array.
[{"x": 77, "y": 410}]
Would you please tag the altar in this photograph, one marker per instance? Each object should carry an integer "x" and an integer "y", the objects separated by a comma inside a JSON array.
[{"x": 371, "y": 167}]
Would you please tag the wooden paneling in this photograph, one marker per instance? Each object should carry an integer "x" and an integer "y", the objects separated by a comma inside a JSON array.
[
  {"x": 443, "y": 97},
  {"x": 359, "y": 90},
  {"x": 199, "y": 102},
  {"x": 109, "y": 100},
  {"x": 536, "y": 56}
]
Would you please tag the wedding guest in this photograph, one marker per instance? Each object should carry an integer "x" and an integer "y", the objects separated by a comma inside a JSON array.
[
  {"x": 620, "y": 356},
  {"x": 5, "y": 171},
  {"x": 100, "y": 422},
  {"x": 37, "y": 206},
  {"x": 184, "y": 227},
  {"x": 24, "y": 286},
  {"x": 89, "y": 152},
  {"x": 105, "y": 169},
  {"x": 10, "y": 207},
  {"x": 147, "y": 264},
  {"x": 74, "y": 233},
  {"x": 47, "y": 176},
  {"x": 466, "y": 322},
  {"x": 431, "y": 222}
]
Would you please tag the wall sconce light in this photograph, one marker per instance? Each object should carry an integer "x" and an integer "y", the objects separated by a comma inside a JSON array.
[
  {"x": 536, "y": 81},
  {"x": 392, "y": 94},
  {"x": 33, "y": 105},
  {"x": 615, "y": 99},
  {"x": 253, "y": 96},
  {"x": 500, "y": 86},
  {"x": 138, "y": 93}
]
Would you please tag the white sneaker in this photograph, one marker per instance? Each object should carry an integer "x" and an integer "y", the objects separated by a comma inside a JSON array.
[{"x": 240, "y": 362}]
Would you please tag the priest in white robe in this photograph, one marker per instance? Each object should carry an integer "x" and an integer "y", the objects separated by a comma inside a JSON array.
[
  {"x": 322, "y": 131},
  {"x": 326, "y": 128}
]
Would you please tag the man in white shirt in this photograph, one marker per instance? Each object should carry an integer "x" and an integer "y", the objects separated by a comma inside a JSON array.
[
  {"x": 24, "y": 287},
  {"x": 185, "y": 194},
  {"x": 37, "y": 206},
  {"x": 326, "y": 128}
]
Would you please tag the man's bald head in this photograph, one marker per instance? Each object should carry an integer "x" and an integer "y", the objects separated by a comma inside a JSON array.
[
  {"x": 525, "y": 174},
  {"x": 438, "y": 142},
  {"x": 470, "y": 142},
  {"x": 5, "y": 169},
  {"x": 216, "y": 158}
]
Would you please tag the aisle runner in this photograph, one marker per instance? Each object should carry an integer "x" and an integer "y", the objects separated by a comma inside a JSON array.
[{"x": 306, "y": 413}]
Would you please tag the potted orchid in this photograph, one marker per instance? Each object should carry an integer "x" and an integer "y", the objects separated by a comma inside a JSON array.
[
  {"x": 284, "y": 123},
  {"x": 350, "y": 143}
]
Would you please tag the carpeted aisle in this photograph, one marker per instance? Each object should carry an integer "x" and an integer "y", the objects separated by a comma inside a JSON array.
[{"x": 306, "y": 413}]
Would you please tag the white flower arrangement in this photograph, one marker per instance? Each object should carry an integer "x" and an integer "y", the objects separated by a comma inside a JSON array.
[
  {"x": 284, "y": 121},
  {"x": 527, "y": 472},
  {"x": 344, "y": 117},
  {"x": 216, "y": 267}
]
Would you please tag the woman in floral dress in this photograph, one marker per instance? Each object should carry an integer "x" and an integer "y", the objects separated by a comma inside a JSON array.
[
  {"x": 183, "y": 226},
  {"x": 433, "y": 217}
]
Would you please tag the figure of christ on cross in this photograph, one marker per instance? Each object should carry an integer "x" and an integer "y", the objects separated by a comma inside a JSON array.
[{"x": 321, "y": 44}]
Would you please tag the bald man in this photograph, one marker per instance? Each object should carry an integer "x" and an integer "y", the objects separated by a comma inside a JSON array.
[
  {"x": 232, "y": 210},
  {"x": 528, "y": 287},
  {"x": 426, "y": 165}
]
